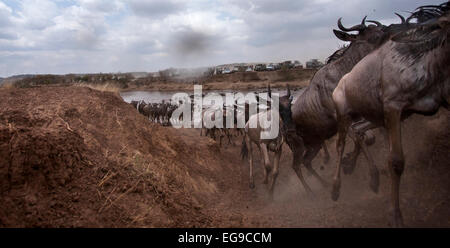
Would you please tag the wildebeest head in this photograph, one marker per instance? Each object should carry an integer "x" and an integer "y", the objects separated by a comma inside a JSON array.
[
  {"x": 134, "y": 104},
  {"x": 285, "y": 108},
  {"x": 373, "y": 34},
  {"x": 141, "y": 106}
]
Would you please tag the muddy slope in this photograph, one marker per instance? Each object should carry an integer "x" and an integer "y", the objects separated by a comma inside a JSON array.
[{"x": 73, "y": 156}]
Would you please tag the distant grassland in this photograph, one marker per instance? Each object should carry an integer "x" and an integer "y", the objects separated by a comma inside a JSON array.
[{"x": 126, "y": 81}]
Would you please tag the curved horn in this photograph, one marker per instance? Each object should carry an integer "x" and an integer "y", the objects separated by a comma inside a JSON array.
[
  {"x": 376, "y": 22},
  {"x": 288, "y": 91},
  {"x": 410, "y": 18},
  {"x": 428, "y": 6},
  {"x": 341, "y": 27},
  {"x": 363, "y": 22},
  {"x": 401, "y": 17},
  {"x": 358, "y": 27}
]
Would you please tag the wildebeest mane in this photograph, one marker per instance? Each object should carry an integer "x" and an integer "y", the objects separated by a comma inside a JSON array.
[
  {"x": 337, "y": 54},
  {"x": 428, "y": 12},
  {"x": 425, "y": 36},
  {"x": 418, "y": 42}
]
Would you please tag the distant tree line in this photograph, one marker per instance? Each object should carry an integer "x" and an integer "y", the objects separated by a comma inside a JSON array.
[{"x": 122, "y": 79}]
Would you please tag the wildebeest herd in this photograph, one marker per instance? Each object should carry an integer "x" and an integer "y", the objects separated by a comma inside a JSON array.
[
  {"x": 156, "y": 112},
  {"x": 383, "y": 76}
]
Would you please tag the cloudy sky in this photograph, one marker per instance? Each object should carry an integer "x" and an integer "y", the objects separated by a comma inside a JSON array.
[{"x": 76, "y": 36}]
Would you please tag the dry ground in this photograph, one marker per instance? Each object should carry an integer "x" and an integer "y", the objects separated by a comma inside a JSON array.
[{"x": 73, "y": 156}]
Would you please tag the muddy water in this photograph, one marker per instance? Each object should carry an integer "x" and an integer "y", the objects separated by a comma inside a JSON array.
[{"x": 159, "y": 96}]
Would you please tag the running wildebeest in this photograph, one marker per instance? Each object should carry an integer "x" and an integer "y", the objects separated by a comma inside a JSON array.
[
  {"x": 216, "y": 132},
  {"x": 253, "y": 135},
  {"x": 408, "y": 74},
  {"x": 313, "y": 112},
  {"x": 294, "y": 141},
  {"x": 287, "y": 129}
]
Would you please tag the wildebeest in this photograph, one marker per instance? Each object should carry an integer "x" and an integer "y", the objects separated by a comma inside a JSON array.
[
  {"x": 134, "y": 104},
  {"x": 313, "y": 112},
  {"x": 140, "y": 106},
  {"x": 217, "y": 132},
  {"x": 253, "y": 135},
  {"x": 294, "y": 141},
  {"x": 408, "y": 74}
]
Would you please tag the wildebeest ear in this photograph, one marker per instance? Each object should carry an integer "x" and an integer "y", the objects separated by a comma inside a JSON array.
[{"x": 344, "y": 36}]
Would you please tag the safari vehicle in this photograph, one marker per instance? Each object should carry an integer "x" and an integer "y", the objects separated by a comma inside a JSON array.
[
  {"x": 270, "y": 67},
  {"x": 260, "y": 67}
]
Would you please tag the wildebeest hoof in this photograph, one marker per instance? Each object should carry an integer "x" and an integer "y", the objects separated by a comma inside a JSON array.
[
  {"x": 336, "y": 191},
  {"x": 375, "y": 182},
  {"x": 252, "y": 185}
]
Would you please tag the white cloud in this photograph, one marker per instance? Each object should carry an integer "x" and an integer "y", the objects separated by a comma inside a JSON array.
[
  {"x": 36, "y": 14},
  {"x": 66, "y": 36},
  {"x": 5, "y": 15},
  {"x": 156, "y": 8}
]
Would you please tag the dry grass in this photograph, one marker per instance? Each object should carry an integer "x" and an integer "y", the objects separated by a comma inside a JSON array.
[
  {"x": 108, "y": 87},
  {"x": 7, "y": 85}
]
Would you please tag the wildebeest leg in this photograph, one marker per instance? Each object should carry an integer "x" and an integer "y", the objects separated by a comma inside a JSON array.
[
  {"x": 297, "y": 147},
  {"x": 343, "y": 125},
  {"x": 297, "y": 160},
  {"x": 326, "y": 154},
  {"x": 237, "y": 132},
  {"x": 274, "y": 174},
  {"x": 229, "y": 135},
  {"x": 205, "y": 130},
  {"x": 310, "y": 154},
  {"x": 210, "y": 132},
  {"x": 373, "y": 170},
  {"x": 250, "y": 160},
  {"x": 396, "y": 161},
  {"x": 266, "y": 163},
  {"x": 349, "y": 160}
]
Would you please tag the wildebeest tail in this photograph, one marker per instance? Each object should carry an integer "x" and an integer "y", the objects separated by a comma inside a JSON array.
[{"x": 244, "y": 149}]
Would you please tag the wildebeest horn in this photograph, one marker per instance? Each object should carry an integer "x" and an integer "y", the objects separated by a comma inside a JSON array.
[
  {"x": 428, "y": 6},
  {"x": 401, "y": 17},
  {"x": 358, "y": 27},
  {"x": 376, "y": 22},
  {"x": 412, "y": 16},
  {"x": 363, "y": 22},
  {"x": 288, "y": 91}
]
